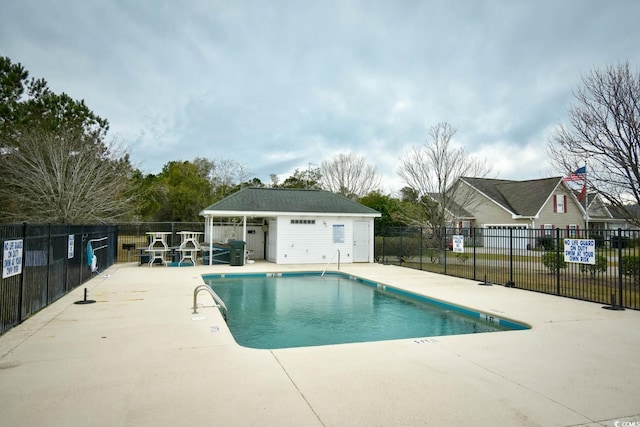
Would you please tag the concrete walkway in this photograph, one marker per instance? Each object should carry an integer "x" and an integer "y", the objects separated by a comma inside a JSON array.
[{"x": 139, "y": 357}]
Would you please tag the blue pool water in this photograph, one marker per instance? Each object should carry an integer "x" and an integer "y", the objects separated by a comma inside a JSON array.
[{"x": 308, "y": 310}]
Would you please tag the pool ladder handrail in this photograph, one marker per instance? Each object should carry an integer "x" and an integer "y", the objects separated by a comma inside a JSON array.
[
  {"x": 327, "y": 266},
  {"x": 216, "y": 299}
]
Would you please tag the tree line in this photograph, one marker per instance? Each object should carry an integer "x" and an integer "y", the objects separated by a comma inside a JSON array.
[{"x": 58, "y": 166}]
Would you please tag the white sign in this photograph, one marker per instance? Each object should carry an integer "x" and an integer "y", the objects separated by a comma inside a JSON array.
[
  {"x": 11, "y": 258},
  {"x": 71, "y": 246},
  {"x": 458, "y": 243},
  {"x": 338, "y": 233},
  {"x": 582, "y": 251}
]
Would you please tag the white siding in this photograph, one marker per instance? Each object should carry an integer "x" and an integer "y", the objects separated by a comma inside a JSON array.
[
  {"x": 272, "y": 241},
  {"x": 305, "y": 243}
]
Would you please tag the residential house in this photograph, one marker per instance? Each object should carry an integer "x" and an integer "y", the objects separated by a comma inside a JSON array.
[{"x": 516, "y": 207}]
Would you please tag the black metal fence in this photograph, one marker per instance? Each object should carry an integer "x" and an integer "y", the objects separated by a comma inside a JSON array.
[
  {"x": 41, "y": 263},
  {"x": 532, "y": 259},
  {"x": 53, "y": 259}
]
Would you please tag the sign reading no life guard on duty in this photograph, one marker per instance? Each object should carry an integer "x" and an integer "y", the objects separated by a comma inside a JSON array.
[
  {"x": 581, "y": 251},
  {"x": 11, "y": 258}
]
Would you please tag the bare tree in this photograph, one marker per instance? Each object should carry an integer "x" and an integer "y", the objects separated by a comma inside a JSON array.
[
  {"x": 62, "y": 178},
  {"x": 604, "y": 131},
  {"x": 349, "y": 175},
  {"x": 225, "y": 175},
  {"x": 433, "y": 170}
]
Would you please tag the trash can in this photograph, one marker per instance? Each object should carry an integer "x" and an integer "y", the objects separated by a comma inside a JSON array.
[{"x": 236, "y": 252}]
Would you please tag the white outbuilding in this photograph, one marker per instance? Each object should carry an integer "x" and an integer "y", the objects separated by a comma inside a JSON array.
[{"x": 293, "y": 226}]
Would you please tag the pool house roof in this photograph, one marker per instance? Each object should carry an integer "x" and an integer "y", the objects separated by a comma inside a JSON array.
[{"x": 265, "y": 202}]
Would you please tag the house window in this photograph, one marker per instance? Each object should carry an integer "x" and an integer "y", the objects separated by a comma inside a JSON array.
[
  {"x": 303, "y": 221},
  {"x": 560, "y": 203},
  {"x": 572, "y": 230},
  {"x": 465, "y": 228},
  {"x": 548, "y": 228}
]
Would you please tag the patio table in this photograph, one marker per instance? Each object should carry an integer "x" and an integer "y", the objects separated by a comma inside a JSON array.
[
  {"x": 158, "y": 246},
  {"x": 189, "y": 247}
]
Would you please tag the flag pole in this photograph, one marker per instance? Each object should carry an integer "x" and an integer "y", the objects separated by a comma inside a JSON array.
[{"x": 586, "y": 199}]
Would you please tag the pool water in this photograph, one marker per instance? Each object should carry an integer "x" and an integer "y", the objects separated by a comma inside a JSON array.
[{"x": 309, "y": 310}]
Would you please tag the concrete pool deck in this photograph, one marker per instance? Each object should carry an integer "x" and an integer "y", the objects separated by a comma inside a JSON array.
[{"x": 139, "y": 357}]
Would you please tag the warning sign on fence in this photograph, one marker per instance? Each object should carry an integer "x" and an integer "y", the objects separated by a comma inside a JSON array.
[
  {"x": 582, "y": 251},
  {"x": 11, "y": 258},
  {"x": 458, "y": 244}
]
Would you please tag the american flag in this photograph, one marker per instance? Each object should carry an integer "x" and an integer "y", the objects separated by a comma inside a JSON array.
[{"x": 578, "y": 175}]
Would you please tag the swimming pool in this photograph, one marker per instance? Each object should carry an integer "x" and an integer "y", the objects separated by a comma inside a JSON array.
[{"x": 282, "y": 310}]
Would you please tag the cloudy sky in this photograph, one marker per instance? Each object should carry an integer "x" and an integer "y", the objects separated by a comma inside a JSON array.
[{"x": 279, "y": 85}]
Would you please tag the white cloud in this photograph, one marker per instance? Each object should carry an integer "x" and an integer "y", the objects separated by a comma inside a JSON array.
[{"x": 282, "y": 84}]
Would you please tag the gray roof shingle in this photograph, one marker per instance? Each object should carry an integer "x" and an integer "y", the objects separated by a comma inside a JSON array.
[
  {"x": 258, "y": 199},
  {"x": 523, "y": 198}
]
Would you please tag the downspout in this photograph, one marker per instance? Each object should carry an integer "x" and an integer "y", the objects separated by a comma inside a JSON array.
[{"x": 210, "y": 240}]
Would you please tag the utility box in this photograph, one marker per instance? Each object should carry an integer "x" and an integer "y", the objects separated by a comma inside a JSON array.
[{"x": 236, "y": 252}]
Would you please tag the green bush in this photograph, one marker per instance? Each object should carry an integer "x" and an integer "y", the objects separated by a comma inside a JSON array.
[
  {"x": 623, "y": 241},
  {"x": 599, "y": 240},
  {"x": 403, "y": 248},
  {"x": 599, "y": 266},
  {"x": 631, "y": 267},
  {"x": 553, "y": 261},
  {"x": 548, "y": 243},
  {"x": 432, "y": 254},
  {"x": 462, "y": 257}
]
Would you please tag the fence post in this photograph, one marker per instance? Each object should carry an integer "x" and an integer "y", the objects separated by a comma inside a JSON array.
[
  {"x": 620, "y": 295},
  {"x": 48, "y": 263},
  {"x": 21, "y": 289},
  {"x": 510, "y": 283},
  {"x": 619, "y": 299},
  {"x": 82, "y": 252},
  {"x": 421, "y": 245},
  {"x": 402, "y": 246},
  {"x": 473, "y": 230},
  {"x": 384, "y": 238},
  {"x": 66, "y": 260},
  {"x": 557, "y": 248},
  {"x": 443, "y": 245}
]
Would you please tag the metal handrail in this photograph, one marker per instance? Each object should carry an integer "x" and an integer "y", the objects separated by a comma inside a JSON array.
[
  {"x": 216, "y": 299},
  {"x": 327, "y": 266}
]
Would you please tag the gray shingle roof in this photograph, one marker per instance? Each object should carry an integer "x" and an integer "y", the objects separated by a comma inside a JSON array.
[
  {"x": 523, "y": 198},
  {"x": 257, "y": 199}
]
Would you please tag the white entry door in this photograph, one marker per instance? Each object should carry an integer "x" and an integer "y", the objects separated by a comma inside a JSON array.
[{"x": 361, "y": 242}]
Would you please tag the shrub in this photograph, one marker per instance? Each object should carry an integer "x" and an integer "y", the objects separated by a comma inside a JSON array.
[
  {"x": 599, "y": 240},
  {"x": 548, "y": 243},
  {"x": 432, "y": 254},
  {"x": 462, "y": 257},
  {"x": 403, "y": 248},
  {"x": 631, "y": 267},
  {"x": 553, "y": 261},
  {"x": 622, "y": 240},
  {"x": 599, "y": 266}
]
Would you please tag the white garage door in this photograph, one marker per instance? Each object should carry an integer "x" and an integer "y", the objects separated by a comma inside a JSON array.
[{"x": 498, "y": 236}]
